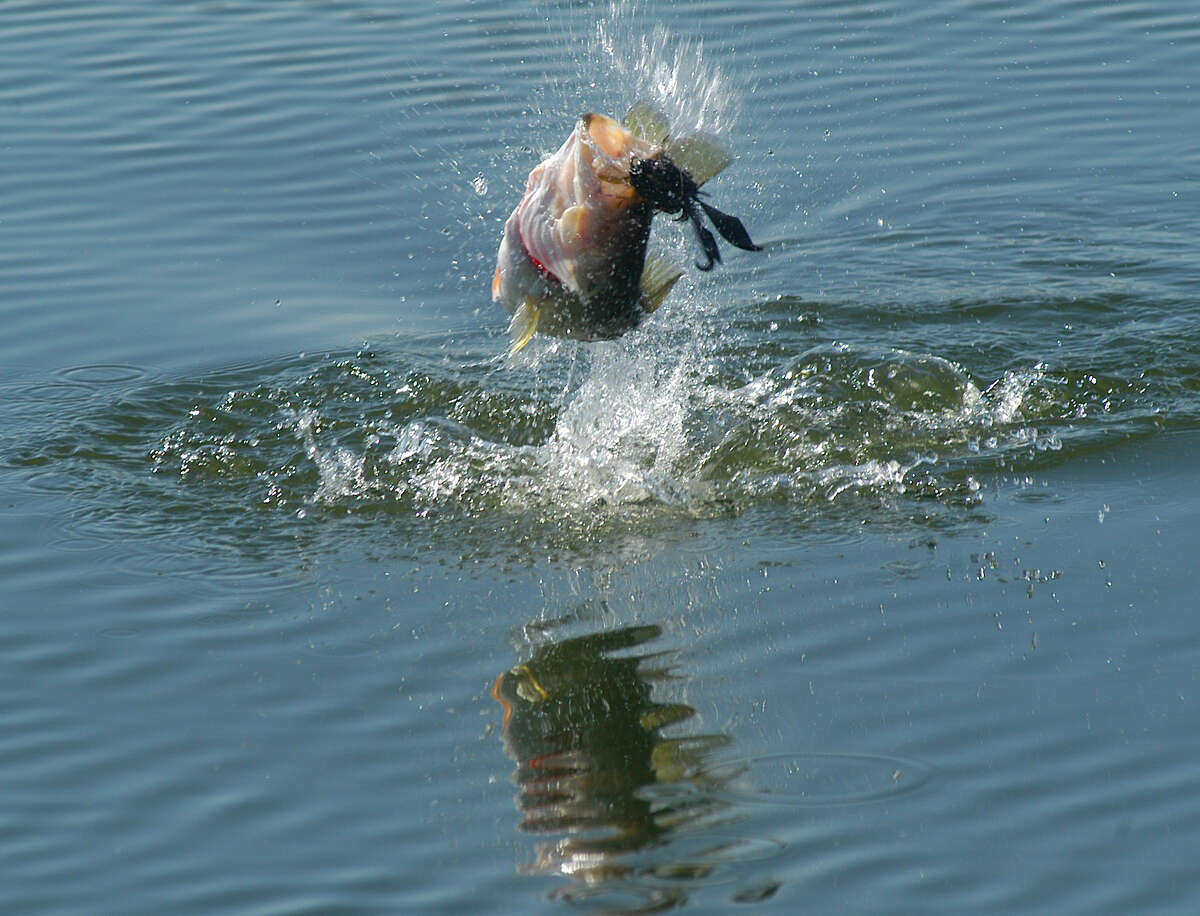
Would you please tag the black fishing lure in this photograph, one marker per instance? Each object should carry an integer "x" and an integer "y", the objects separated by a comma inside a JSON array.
[{"x": 670, "y": 189}]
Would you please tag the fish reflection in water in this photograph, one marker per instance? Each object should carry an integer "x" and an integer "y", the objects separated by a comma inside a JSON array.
[{"x": 593, "y": 766}]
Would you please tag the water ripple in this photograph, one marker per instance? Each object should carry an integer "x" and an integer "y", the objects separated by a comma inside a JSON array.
[{"x": 810, "y": 779}]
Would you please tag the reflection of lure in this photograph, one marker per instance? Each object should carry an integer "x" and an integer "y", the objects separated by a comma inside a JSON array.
[{"x": 573, "y": 261}]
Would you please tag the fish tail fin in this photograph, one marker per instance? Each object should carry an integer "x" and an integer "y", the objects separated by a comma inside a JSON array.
[
  {"x": 523, "y": 325},
  {"x": 658, "y": 277}
]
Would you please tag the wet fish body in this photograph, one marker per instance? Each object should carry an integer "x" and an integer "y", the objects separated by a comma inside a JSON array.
[{"x": 573, "y": 258}]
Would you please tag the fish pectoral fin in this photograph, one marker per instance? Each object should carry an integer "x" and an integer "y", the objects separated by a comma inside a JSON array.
[
  {"x": 573, "y": 225},
  {"x": 658, "y": 277},
  {"x": 702, "y": 156},
  {"x": 523, "y": 325},
  {"x": 647, "y": 122}
]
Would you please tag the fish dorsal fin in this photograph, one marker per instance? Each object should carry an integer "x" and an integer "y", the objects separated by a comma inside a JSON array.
[
  {"x": 658, "y": 276},
  {"x": 701, "y": 155},
  {"x": 647, "y": 122}
]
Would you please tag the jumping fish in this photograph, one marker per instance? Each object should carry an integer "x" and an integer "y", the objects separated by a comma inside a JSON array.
[{"x": 573, "y": 262}]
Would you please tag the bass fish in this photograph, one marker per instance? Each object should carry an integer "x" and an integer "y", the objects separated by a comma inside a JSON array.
[{"x": 573, "y": 260}]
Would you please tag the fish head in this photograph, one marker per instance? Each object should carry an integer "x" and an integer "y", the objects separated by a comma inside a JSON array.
[
  {"x": 572, "y": 261},
  {"x": 573, "y": 253},
  {"x": 581, "y": 219}
]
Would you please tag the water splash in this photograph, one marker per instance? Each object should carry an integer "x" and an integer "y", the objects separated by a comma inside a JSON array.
[
  {"x": 621, "y": 438},
  {"x": 622, "y": 435},
  {"x": 645, "y": 60},
  {"x": 711, "y": 407},
  {"x": 660, "y": 422},
  {"x": 603, "y": 449}
]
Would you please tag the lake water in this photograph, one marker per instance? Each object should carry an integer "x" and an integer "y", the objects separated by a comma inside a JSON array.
[{"x": 862, "y": 578}]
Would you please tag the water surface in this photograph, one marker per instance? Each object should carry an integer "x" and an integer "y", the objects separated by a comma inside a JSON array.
[{"x": 859, "y": 579}]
